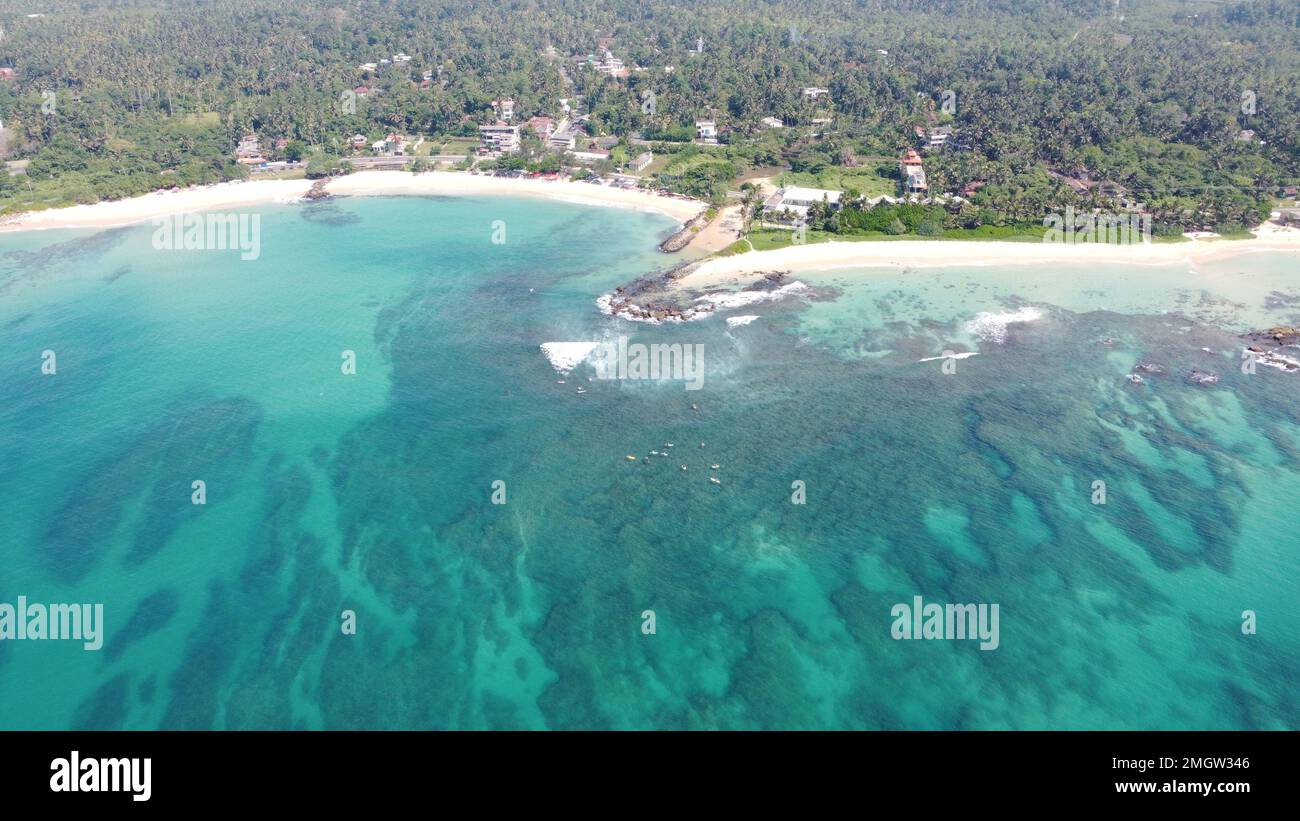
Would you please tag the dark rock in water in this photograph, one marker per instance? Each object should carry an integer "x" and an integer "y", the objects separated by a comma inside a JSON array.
[
  {"x": 328, "y": 213},
  {"x": 1277, "y": 299},
  {"x": 1149, "y": 367},
  {"x": 1281, "y": 335},
  {"x": 656, "y": 310},
  {"x": 152, "y": 614},
  {"x": 117, "y": 274},
  {"x": 106, "y": 708},
  {"x": 648, "y": 298},
  {"x": 1200, "y": 377},
  {"x": 1274, "y": 358}
]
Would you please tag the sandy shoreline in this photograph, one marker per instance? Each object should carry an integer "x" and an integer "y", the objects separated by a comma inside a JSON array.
[
  {"x": 827, "y": 256},
  {"x": 363, "y": 183},
  {"x": 158, "y": 204},
  {"x": 453, "y": 183},
  {"x": 831, "y": 256}
]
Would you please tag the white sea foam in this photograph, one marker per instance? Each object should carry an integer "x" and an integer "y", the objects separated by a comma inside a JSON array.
[
  {"x": 992, "y": 327},
  {"x": 565, "y": 356},
  {"x": 962, "y": 355},
  {"x": 739, "y": 299},
  {"x": 1276, "y": 359},
  {"x": 605, "y": 303},
  {"x": 737, "y": 321},
  {"x": 711, "y": 302}
]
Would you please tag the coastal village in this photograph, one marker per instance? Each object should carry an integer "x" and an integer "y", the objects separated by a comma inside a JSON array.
[
  {"x": 558, "y": 139},
  {"x": 752, "y": 208},
  {"x": 768, "y": 177}
]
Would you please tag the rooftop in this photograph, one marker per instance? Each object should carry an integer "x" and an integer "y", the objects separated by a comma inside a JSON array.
[{"x": 795, "y": 193}]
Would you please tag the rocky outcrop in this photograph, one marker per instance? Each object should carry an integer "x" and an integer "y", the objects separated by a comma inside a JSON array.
[
  {"x": 649, "y": 299},
  {"x": 1281, "y": 335},
  {"x": 683, "y": 237},
  {"x": 645, "y": 298},
  {"x": 1266, "y": 348},
  {"x": 317, "y": 191}
]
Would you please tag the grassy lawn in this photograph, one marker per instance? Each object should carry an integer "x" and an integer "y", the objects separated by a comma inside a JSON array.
[
  {"x": 773, "y": 238},
  {"x": 659, "y": 163},
  {"x": 458, "y": 145},
  {"x": 293, "y": 174},
  {"x": 206, "y": 119},
  {"x": 679, "y": 164},
  {"x": 772, "y": 171},
  {"x": 1230, "y": 235},
  {"x": 764, "y": 239},
  {"x": 837, "y": 178},
  {"x": 740, "y": 246}
]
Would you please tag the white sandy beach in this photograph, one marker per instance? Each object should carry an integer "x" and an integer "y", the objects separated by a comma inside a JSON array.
[
  {"x": 160, "y": 203},
  {"x": 821, "y": 256},
  {"x": 454, "y": 183},
  {"x": 363, "y": 183},
  {"x": 830, "y": 256}
]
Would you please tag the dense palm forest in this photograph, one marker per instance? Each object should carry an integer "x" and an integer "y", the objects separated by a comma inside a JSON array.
[{"x": 1192, "y": 107}]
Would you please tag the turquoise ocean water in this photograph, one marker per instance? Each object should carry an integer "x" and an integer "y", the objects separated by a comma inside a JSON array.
[{"x": 373, "y": 492}]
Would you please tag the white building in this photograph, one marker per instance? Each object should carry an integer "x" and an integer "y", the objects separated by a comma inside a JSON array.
[
  {"x": 642, "y": 161},
  {"x": 913, "y": 174},
  {"x": 773, "y": 122},
  {"x": 611, "y": 65},
  {"x": 505, "y": 109},
  {"x": 936, "y": 137},
  {"x": 798, "y": 200},
  {"x": 914, "y": 179},
  {"x": 562, "y": 138},
  {"x": 815, "y": 91},
  {"x": 590, "y": 156},
  {"x": 501, "y": 138},
  {"x": 706, "y": 130}
]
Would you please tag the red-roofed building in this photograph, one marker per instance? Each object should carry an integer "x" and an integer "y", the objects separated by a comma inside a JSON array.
[
  {"x": 913, "y": 174},
  {"x": 542, "y": 126}
]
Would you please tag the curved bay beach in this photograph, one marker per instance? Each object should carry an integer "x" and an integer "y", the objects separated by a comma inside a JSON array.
[
  {"x": 711, "y": 272},
  {"x": 362, "y": 183}
]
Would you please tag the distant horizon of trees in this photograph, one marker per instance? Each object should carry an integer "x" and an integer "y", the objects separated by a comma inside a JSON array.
[{"x": 145, "y": 96}]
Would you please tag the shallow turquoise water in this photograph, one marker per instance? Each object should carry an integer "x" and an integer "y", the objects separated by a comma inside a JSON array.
[{"x": 372, "y": 492}]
